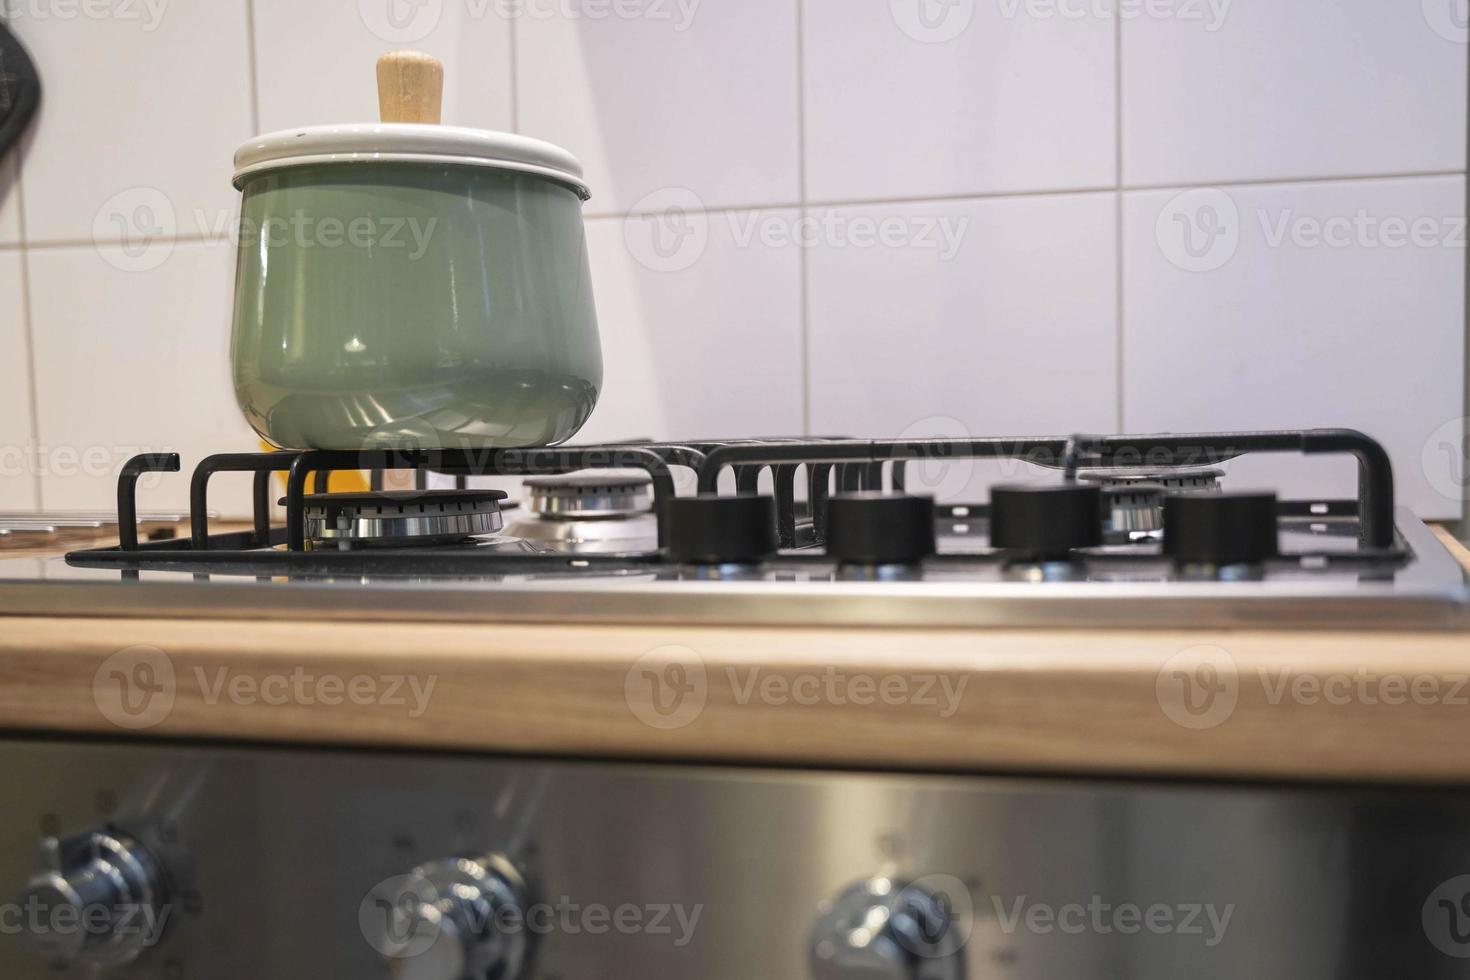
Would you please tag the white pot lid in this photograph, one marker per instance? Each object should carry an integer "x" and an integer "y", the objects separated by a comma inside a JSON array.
[{"x": 408, "y": 142}]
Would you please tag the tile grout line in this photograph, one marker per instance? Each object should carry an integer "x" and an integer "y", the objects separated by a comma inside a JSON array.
[
  {"x": 803, "y": 292},
  {"x": 515, "y": 85},
  {"x": 30, "y": 330},
  {"x": 1038, "y": 193},
  {"x": 252, "y": 68},
  {"x": 1121, "y": 329}
]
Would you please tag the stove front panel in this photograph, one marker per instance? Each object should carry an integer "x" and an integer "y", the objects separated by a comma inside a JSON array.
[{"x": 285, "y": 863}]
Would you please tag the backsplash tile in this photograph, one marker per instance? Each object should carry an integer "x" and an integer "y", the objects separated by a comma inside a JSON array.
[
  {"x": 9, "y": 200},
  {"x": 303, "y": 82},
  {"x": 148, "y": 155},
  {"x": 1260, "y": 90},
  {"x": 150, "y": 351},
  {"x": 17, "y": 460},
  {"x": 695, "y": 96},
  {"x": 1298, "y": 305},
  {"x": 965, "y": 319},
  {"x": 700, "y": 322},
  {"x": 911, "y": 98}
]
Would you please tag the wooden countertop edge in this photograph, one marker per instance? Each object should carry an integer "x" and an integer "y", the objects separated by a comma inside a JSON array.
[{"x": 1295, "y": 706}]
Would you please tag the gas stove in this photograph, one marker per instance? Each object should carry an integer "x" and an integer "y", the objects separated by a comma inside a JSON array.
[{"x": 1125, "y": 530}]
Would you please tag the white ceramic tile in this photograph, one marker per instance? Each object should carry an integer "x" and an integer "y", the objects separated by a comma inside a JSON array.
[
  {"x": 17, "y": 479},
  {"x": 702, "y": 342},
  {"x": 1311, "y": 308},
  {"x": 918, "y": 98},
  {"x": 1306, "y": 88},
  {"x": 9, "y": 200},
  {"x": 141, "y": 116},
  {"x": 696, "y": 95},
  {"x": 1011, "y": 331},
  {"x": 315, "y": 58},
  {"x": 135, "y": 362}
]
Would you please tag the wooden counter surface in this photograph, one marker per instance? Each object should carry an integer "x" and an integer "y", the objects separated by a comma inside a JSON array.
[{"x": 1207, "y": 703}]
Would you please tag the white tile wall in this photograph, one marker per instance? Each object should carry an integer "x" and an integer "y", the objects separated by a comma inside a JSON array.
[
  {"x": 719, "y": 316},
  {"x": 1305, "y": 88},
  {"x": 721, "y": 123},
  {"x": 135, "y": 362},
  {"x": 138, "y": 121},
  {"x": 1318, "y": 308},
  {"x": 895, "y": 108},
  {"x": 17, "y": 469},
  {"x": 1006, "y": 325},
  {"x": 706, "y": 101}
]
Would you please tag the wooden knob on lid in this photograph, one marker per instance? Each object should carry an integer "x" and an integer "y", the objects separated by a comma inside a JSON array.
[{"x": 410, "y": 87}]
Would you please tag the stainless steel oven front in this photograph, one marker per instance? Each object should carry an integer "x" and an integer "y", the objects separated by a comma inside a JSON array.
[{"x": 159, "y": 860}]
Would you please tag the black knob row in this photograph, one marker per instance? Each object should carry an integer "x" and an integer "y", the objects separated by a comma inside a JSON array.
[{"x": 1045, "y": 522}]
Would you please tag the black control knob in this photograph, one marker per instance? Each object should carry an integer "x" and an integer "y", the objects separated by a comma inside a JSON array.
[
  {"x": 1046, "y": 521},
  {"x": 1221, "y": 528},
  {"x": 715, "y": 530},
  {"x": 880, "y": 528}
]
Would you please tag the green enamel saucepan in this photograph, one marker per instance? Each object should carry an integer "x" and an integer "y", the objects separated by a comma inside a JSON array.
[{"x": 408, "y": 285}]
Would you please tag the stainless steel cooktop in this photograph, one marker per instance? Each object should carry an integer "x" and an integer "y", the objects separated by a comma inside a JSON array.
[{"x": 1133, "y": 530}]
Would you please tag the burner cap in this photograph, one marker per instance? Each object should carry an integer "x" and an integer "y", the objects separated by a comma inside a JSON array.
[
  {"x": 1134, "y": 498},
  {"x": 880, "y": 528},
  {"x": 715, "y": 530},
  {"x": 402, "y": 518},
  {"x": 590, "y": 494}
]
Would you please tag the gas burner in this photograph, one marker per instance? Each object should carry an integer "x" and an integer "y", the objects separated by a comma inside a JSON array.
[
  {"x": 401, "y": 518},
  {"x": 1133, "y": 499},
  {"x": 595, "y": 512}
]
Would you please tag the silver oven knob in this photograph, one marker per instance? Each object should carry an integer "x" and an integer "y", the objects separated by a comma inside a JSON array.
[
  {"x": 102, "y": 901},
  {"x": 457, "y": 919},
  {"x": 885, "y": 929}
]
